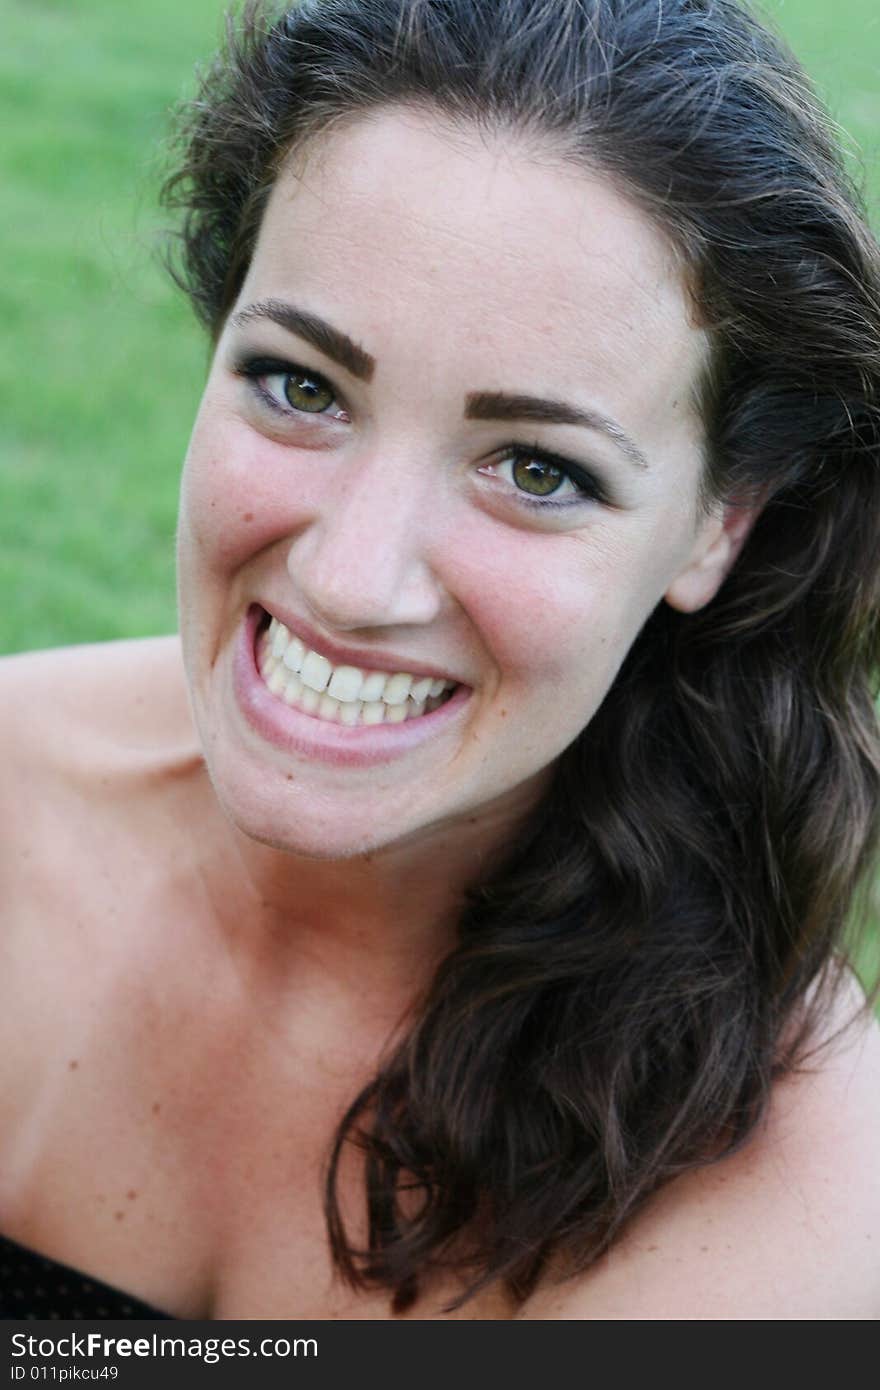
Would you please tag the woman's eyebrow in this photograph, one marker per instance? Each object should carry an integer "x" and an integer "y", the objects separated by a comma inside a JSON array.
[
  {"x": 317, "y": 331},
  {"x": 479, "y": 405},
  {"x": 498, "y": 405}
]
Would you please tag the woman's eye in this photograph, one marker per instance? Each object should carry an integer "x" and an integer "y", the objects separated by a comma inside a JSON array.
[
  {"x": 537, "y": 476},
  {"x": 301, "y": 390},
  {"x": 289, "y": 390}
]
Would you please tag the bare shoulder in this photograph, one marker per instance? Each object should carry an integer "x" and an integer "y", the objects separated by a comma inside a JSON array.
[
  {"x": 788, "y": 1228},
  {"x": 75, "y": 724},
  {"x": 104, "y": 692},
  {"x": 91, "y": 740}
]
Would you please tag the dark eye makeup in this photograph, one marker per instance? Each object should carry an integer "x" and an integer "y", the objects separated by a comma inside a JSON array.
[
  {"x": 537, "y": 474},
  {"x": 306, "y": 392}
]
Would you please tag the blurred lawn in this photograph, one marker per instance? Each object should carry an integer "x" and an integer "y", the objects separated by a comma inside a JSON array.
[{"x": 100, "y": 363}]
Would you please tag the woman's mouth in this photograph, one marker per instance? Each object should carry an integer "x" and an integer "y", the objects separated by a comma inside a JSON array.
[{"x": 338, "y": 694}]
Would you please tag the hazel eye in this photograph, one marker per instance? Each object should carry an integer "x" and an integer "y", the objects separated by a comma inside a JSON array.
[
  {"x": 539, "y": 475},
  {"x": 541, "y": 480},
  {"x": 308, "y": 393},
  {"x": 536, "y": 476}
]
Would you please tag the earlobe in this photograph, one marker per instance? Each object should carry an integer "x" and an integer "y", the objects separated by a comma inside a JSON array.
[{"x": 720, "y": 540}]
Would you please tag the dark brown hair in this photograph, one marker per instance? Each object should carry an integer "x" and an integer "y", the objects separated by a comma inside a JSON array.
[{"x": 613, "y": 1012}]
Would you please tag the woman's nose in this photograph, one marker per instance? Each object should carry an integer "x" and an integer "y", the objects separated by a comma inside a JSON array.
[{"x": 365, "y": 557}]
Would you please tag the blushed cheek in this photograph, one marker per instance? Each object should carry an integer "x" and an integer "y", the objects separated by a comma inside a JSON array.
[
  {"x": 223, "y": 518},
  {"x": 560, "y": 635},
  {"x": 550, "y": 610}
]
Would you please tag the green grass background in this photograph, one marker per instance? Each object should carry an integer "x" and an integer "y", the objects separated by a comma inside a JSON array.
[{"x": 100, "y": 361}]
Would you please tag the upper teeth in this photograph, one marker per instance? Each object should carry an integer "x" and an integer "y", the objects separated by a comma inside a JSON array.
[{"x": 348, "y": 684}]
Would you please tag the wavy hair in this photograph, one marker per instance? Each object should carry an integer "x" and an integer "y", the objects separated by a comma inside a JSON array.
[{"x": 664, "y": 936}]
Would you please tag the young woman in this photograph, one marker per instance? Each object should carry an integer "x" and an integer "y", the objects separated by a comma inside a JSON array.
[{"x": 451, "y": 923}]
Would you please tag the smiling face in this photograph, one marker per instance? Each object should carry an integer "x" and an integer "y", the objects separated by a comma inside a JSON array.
[{"x": 449, "y": 434}]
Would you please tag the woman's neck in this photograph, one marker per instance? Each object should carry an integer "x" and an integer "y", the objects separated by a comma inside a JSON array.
[{"x": 367, "y": 931}]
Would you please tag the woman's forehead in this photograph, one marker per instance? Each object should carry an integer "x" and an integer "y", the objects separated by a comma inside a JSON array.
[
  {"x": 465, "y": 240},
  {"x": 482, "y": 203}
]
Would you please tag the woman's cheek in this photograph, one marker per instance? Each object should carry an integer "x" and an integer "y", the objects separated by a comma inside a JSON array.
[
  {"x": 547, "y": 601},
  {"x": 237, "y": 498}
]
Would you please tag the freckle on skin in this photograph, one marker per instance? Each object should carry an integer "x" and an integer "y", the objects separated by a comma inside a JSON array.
[
  {"x": 119, "y": 1216},
  {"x": 247, "y": 516},
  {"x": 156, "y": 1107},
  {"x": 131, "y": 1194},
  {"x": 72, "y": 1065}
]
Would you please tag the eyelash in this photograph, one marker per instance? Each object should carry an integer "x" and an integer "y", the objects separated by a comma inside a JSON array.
[
  {"x": 253, "y": 369},
  {"x": 588, "y": 485}
]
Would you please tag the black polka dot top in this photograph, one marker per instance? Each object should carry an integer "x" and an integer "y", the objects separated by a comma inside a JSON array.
[{"x": 32, "y": 1286}]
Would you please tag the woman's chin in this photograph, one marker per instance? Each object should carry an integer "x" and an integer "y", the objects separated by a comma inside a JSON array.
[{"x": 281, "y": 813}]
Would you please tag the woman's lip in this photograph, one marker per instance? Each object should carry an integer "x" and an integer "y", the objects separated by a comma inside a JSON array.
[
  {"x": 341, "y": 655},
  {"x": 295, "y": 732}
]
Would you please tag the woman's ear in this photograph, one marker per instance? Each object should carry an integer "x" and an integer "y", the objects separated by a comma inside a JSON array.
[{"x": 720, "y": 538}]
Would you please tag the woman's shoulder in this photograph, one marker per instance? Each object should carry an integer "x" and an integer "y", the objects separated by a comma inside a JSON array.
[
  {"x": 68, "y": 702},
  {"x": 81, "y": 729},
  {"x": 87, "y": 736},
  {"x": 786, "y": 1228}
]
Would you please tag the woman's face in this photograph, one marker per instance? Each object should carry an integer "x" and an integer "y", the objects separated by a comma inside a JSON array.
[{"x": 449, "y": 432}]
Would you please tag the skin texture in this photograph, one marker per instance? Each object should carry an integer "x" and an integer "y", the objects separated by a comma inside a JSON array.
[{"x": 208, "y": 939}]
